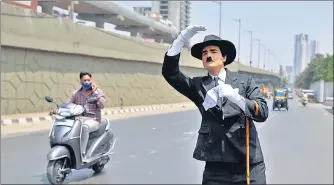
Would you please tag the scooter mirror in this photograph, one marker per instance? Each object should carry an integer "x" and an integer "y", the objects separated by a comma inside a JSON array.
[
  {"x": 92, "y": 100},
  {"x": 48, "y": 99}
]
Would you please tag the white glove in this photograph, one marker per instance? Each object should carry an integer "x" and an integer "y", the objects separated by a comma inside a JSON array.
[
  {"x": 232, "y": 95},
  {"x": 184, "y": 37}
]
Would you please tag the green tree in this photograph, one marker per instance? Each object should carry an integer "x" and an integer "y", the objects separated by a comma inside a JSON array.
[
  {"x": 324, "y": 69},
  {"x": 321, "y": 68}
]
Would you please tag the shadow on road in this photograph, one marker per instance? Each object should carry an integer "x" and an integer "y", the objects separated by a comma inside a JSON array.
[
  {"x": 76, "y": 176},
  {"x": 330, "y": 111}
]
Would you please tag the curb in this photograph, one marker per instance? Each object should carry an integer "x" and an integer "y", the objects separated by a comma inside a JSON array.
[{"x": 104, "y": 113}]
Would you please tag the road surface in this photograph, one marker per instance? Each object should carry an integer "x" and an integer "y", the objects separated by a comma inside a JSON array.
[{"x": 297, "y": 144}]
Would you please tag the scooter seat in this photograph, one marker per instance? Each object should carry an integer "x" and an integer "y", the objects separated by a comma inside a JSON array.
[{"x": 100, "y": 131}]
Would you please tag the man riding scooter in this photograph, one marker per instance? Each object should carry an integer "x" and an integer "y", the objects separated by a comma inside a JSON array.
[
  {"x": 79, "y": 97},
  {"x": 304, "y": 99}
]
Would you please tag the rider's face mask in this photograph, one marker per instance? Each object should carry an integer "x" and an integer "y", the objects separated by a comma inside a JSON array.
[{"x": 87, "y": 85}]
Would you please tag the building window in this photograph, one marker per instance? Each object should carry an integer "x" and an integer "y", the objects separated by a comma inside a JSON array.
[
  {"x": 163, "y": 12},
  {"x": 163, "y": 7}
]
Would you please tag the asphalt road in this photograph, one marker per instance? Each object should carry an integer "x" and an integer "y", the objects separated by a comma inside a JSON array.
[{"x": 297, "y": 144}]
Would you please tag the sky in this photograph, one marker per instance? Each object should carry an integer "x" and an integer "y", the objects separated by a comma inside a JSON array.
[{"x": 273, "y": 22}]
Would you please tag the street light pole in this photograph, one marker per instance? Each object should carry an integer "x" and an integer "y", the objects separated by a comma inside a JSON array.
[
  {"x": 251, "y": 47},
  {"x": 258, "y": 53},
  {"x": 269, "y": 59},
  {"x": 220, "y": 16},
  {"x": 264, "y": 57},
  {"x": 220, "y": 19},
  {"x": 273, "y": 68},
  {"x": 239, "y": 23},
  {"x": 279, "y": 65},
  {"x": 71, "y": 10}
]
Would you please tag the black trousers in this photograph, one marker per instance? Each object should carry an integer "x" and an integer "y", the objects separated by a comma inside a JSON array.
[{"x": 233, "y": 173}]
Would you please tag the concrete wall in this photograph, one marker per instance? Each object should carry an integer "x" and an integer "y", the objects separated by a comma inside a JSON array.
[
  {"x": 328, "y": 89},
  {"x": 322, "y": 90},
  {"x": 318, "y": 88},
  {"x": 42, "y": 55},
  {"x": 27, "y": 76}
]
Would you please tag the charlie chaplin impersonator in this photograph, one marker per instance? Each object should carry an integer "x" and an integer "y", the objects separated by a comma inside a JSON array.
[{"x": 229, "y": 103}]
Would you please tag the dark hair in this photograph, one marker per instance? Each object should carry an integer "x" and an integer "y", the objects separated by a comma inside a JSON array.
[{"x": 84, "y": 74}]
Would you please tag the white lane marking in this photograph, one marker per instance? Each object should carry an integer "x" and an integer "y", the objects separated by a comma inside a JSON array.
[
  {"x": 133, "y": 156},
  {"x": 180, "y": 122},
  {"x": 151, "y": 151},
  {"x": 153, "y": 128},
  {"x": 189, "y": 133}
]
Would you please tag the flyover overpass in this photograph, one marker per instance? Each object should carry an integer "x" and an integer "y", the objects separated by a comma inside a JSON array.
[
  {"x": 124, "y": 19},
  {"x": 43, "y": 55},
  {"x": 127, "y": 20}
]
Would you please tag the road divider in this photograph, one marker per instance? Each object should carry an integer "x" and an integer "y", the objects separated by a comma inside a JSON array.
[{"x": 26, "y": 118}]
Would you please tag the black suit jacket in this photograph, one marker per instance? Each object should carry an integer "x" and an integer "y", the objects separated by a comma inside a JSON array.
[{"x": 222, "y": 132}]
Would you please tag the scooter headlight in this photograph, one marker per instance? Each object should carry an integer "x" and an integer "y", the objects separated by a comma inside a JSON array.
[{"x": 65, "y": 113}]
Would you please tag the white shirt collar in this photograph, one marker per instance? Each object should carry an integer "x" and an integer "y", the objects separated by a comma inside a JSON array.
[{"x": 221, "y": 76}]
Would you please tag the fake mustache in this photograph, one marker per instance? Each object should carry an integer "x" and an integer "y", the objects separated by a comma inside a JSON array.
[{"x": 209, "y": 59}]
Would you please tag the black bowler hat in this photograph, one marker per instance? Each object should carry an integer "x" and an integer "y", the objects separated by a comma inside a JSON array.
[{"x": 225, "y": 47}]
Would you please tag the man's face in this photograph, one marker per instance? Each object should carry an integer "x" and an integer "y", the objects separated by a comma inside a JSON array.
[
  {"x": 217, "y": 60},
  {"x": 85, "y": 78}
]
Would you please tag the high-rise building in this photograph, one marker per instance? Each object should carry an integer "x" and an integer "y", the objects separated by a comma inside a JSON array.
[
  {"x": 178, "y": 12},
  {"x": 301, "y": 55},
  {"x": 314, "y": 46},
  {"x": 289, "y": 73}
]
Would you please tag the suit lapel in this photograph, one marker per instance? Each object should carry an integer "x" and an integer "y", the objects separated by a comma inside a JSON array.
[{"x": 231, "y": 78}]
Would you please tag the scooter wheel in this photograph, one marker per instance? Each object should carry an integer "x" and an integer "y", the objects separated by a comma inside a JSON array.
[
  {"x": 98, "y": 168},
  {"x": 53, "y": 171}
]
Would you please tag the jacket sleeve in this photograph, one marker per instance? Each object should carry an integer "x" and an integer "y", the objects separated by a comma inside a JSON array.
[
  {"x": 101, "y": 100},
  {"x": 255, "y": 103},
  {"x": 71, "y": 99},
  {"x": 179, "y": 81}
]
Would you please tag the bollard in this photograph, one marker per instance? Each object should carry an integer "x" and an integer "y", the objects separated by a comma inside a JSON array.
[{"x": 121, "y": 103}]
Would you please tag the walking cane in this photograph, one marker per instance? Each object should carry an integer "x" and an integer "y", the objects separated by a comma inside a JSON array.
[
  {"x": 247, "y": 144},
  {"x": 247, "y": 152}
]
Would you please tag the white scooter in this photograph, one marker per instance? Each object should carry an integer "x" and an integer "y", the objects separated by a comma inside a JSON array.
[
  {"x": 304, "y": 102},
  {"x": 65, "y": 142}
]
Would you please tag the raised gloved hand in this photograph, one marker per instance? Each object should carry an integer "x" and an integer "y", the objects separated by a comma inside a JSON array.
[
  {"x": 184, "y": 37},
  {"x": 190, "y": 31},
  {"x": 232, "y": 95}
]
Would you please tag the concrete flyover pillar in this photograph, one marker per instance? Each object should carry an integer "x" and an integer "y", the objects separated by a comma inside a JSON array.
[
  {"x": 47, "y": 9},
  {"x": 99, "y": 24}
]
